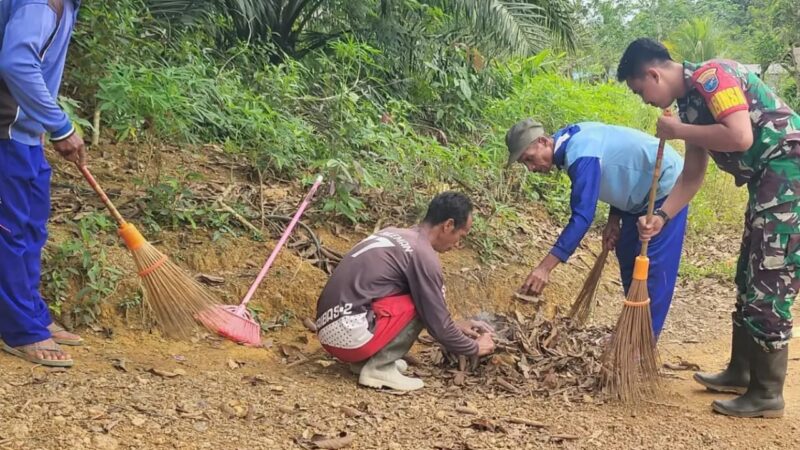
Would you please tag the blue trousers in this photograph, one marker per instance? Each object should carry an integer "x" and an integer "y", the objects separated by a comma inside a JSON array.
[
  {"x": 24, "y": 210},
  {"x": 664, "y": 252}
]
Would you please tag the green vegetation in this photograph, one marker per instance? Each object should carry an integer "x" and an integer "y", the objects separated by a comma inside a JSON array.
[
  {"x": 760, "y": 32},
  {"x": 393, "y": 100},
  {"x": 79, "y": 265},
  {"x": 171, "y": 204},
  {"x": 722, "y": 270}
]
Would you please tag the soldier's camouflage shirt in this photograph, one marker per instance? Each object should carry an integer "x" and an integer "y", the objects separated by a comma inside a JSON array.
[{"x": 771, "y": 166}]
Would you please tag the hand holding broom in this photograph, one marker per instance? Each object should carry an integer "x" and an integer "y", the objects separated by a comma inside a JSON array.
[
  {"x": 174, "y": 297},
  {"x": 630, "y": 361}
]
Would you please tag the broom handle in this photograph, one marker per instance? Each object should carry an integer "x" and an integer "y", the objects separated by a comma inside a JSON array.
[
  {"x": 101, "y": 193},
  {"x": 651, "y": 204},
  {"x": 282, "y": 241}
]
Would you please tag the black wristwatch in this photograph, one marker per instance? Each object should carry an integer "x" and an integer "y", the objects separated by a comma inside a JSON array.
[{"x": 660, "y": 212}]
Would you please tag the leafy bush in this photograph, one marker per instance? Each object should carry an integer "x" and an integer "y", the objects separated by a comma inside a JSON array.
[
  {"x": 171, "y": 204},
  {"x": 379, "y": 128},
  {"x": 77, "y": 270},
  {"x": 172, "y": 102},
  {"x": 332, "y": 112}
]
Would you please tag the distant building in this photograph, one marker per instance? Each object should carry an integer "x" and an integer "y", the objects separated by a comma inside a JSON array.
[{"x": 774, "y": 73}]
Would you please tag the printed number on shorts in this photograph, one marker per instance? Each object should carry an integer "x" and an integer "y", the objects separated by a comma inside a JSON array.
[{"x": 334, "y": 313}]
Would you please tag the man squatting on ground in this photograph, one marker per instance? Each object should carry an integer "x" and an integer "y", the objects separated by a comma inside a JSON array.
[
  {"x": 614, "y": 165},
  {"x": 387, "y": 288},
  {"x": 35, "y": 37},
  {"x": 729, "y": 113}
]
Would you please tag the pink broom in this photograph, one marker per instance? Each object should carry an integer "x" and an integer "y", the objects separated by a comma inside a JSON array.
[{"x": 235, "y": 322}]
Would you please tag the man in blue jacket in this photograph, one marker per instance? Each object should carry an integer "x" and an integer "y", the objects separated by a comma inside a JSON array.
[
  {"x": 614, "y": 165},
  {"x": 35, "y": 37}
]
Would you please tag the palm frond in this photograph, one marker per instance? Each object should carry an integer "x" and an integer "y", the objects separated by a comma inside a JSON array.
[
  {"x": 517, "y": 27},
  {"x": 695, "y": 40}
]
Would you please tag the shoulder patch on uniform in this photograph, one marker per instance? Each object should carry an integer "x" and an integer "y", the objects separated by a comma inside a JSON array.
[{"x": 709, "y": 79}]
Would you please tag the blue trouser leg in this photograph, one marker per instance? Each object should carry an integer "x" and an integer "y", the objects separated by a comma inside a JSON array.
[
  {"x": 37, "y": 232},
  {"x": 664, "y": 253},
  {"x": 22, "y": 177}
]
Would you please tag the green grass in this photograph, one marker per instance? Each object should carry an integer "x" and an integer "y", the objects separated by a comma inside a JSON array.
[{"x": 722, "y": 269}]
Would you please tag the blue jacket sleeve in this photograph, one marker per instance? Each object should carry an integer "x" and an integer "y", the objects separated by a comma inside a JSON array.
[
  {"x": 26, "y": 34},
  {"x": 585, "y": 176}
]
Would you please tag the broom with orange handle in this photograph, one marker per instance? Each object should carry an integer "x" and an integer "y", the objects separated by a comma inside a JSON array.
[
  {"x": 630, "y": 360},
  {"x": 174, "y": 297}
]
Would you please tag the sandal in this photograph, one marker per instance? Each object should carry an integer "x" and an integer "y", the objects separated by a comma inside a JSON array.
[
  {"x": 31, "y": 357},
  {"x": 54, "y": 328}
]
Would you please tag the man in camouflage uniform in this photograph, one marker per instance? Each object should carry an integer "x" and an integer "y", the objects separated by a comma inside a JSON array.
[{"x": 728, "y": 113}]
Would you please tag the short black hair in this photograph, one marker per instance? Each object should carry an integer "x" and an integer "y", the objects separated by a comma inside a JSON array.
[
  {"x": 639, "y": 55},
  {"x": 449, "y": 205}
]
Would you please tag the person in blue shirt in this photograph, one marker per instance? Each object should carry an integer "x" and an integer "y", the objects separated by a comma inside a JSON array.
[
  {"x": 34, "y": 36},
  {"x": 614, "y": 165}
]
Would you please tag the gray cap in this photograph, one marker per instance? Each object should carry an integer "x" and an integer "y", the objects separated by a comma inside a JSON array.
[{"x": 520, "y": 136}]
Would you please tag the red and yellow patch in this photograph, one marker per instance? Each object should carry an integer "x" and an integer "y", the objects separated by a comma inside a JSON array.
[
  {"x": 720, "y": 89},
  {"x": 726, "y": 101}
]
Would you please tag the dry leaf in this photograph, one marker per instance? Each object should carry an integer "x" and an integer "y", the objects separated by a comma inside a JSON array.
[
  {"x": 350, "y": 411},
  {"x": 342, "y": 441},
  {"x": 233, "y": 365},
  {"x": 467, "y": 410},
  {"x": 682, "y": 365},
  {"x": 163, "y": 373},
  {"x": 487, "y": 425},
  {"x": 119, "y": 364},
  {"x": 291, "y": 351},
  {"x": 210, "y": 280},
  {"x": 534, "y": 300},
  {"x": 310, "y": 325},
  {"x": 255, "y": 379}
]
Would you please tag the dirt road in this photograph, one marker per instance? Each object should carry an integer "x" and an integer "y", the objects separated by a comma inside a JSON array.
[{"x": 133, "y": 391}]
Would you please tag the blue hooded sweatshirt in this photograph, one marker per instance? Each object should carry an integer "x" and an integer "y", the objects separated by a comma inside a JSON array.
[{"x": 34, "y": 37}]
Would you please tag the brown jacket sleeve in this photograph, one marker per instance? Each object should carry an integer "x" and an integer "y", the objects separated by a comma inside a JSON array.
[{"x": 425, "y": 281}]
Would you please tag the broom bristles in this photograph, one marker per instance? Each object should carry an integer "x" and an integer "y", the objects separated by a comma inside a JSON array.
[
  {"x": 233, "y": 322},
  {"x": 174, "y": 297},
  {"x": 630, "y": 360},
  {"x": 584, "y": 303}
]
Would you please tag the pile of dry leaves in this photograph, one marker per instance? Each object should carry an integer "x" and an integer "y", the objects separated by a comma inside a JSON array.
[{"x": 533, "y": 356}]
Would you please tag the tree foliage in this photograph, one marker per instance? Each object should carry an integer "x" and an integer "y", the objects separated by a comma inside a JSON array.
[
  {"x": 296, "y": 27},
  {"x": 695, "y": 40}
]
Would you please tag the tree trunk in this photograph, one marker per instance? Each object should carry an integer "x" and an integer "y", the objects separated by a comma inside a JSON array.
[{"x": 796, "y": 58}]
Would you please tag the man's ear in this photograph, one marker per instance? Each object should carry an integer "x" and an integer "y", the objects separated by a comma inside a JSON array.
[
  {"x": 653, "y": 73},
  {"x": 449, "y": 225}
]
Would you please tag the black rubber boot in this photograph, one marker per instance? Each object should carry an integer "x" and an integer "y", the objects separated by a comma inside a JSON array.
[
  {"x": 736, "y": 376},
  {"x": 764, "y": 396}
]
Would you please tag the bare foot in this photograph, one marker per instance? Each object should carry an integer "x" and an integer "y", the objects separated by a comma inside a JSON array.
[
  {"x": 47, "y": 350},
  {"x": 63, "y": 336}
]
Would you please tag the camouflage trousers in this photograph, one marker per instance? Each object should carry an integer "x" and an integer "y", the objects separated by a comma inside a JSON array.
[{"x": 768, "y": 273}]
